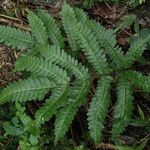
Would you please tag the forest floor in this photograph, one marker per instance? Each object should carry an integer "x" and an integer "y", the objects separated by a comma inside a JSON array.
[{"x": 14, "y": 13}]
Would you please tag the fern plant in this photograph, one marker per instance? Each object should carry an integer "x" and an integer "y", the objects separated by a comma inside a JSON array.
[{"x": 52, "y": 70}]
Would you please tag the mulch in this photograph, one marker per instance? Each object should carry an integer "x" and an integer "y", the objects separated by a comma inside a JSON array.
[{"x": 7, "y": 60}]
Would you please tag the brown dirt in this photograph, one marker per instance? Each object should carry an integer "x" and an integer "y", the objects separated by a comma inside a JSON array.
[{"x": 7, "y": 59}]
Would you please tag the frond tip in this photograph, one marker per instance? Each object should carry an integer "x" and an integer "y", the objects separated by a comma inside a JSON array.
[
  {"x": 38, "y": 28},
  {"x": 15, "y": 38},
  {"x": 53, "y": 31}
]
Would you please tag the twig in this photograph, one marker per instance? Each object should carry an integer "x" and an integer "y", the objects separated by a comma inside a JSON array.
[{"x": 11, "y": 22}]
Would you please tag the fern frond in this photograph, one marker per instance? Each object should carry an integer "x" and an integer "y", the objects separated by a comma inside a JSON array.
[
  {"x": 90, "y": 46},
  {"x": 26, "y": 90},
  {"x": 15, "y": 38},
  {"x": 38, "y": 28},
  {"x": 135, "y": 52},
  {"x": 49, "y": 108},
  {"x": 88, "y": 43},
  {"x": 60, "y": 57},
  {"x": 53, "y": 31},
  {"x": 63, "y": 120},
  {"x": 69, "y": 20},
  {"x": 40, "y": 67},
  {"x": 106, "y": 38},
  {"x": 107, "y": 41},
  {"x": 138, "y": 79},
  {"x": 123, "y": 108},
  {"x": 65, "y": 115},
  {"x": 99, "y": 108}
]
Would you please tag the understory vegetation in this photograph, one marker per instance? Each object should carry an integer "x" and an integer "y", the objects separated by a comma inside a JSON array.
[
  {"x": 67, "y": 65},
  {"x": 132, "y": 3}
]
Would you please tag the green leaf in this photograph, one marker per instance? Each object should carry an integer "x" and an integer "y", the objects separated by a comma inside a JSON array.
[
  {"x": 138, "y": 122},
  {"x": 123, "y": 148},
  {"x": 141, "y": 113},
  {"x": 11, "y": 130},
  {"x": 143, "y": 144}
]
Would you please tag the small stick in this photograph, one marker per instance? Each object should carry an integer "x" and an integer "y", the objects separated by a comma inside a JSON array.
[{"x": 11, "y": 22}]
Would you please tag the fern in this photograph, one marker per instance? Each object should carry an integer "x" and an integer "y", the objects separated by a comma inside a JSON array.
[
  {"x": 123, "y": 108},
  {"x": 40, "y": 67},
  {"x": 89, "y": 44},
  {"x": 91, "y": 49},
  {"x": 63, "y": 121},
  {"x": 99, "y": 108},
  {"x": 69, "y": 20},
  {"x": 107, "y": 42},
  {"x": 106, "y": 38},
  {"x": 29, "y": 89},
  {"x": 65, "y": 116},
  {"x": 64, "y": 81}
]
